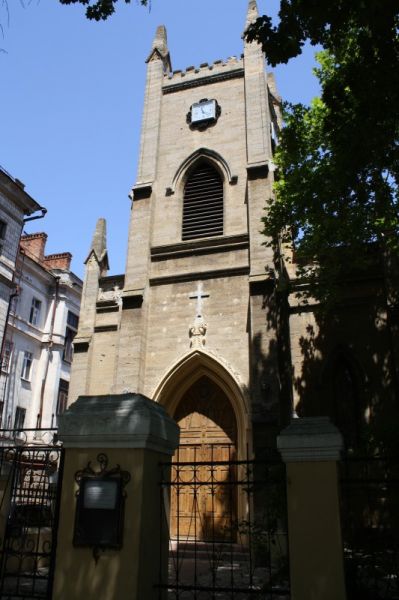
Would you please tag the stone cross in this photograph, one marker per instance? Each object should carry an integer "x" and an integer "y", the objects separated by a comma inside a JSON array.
[{"x": 199, "y": 295}]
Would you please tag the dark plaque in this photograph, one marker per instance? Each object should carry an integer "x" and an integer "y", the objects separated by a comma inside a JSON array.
[{"x": 100, "y": 506}]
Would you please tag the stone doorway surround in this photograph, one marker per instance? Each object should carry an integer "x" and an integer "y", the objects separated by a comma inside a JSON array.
[
  {"x": 201, "y": 363},
  {"x": 194, "y": 368}
]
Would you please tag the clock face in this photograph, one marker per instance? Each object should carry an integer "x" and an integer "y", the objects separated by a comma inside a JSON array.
[
  {"x": 203, "y": 114},
  {"x": 203, "y": 111}
]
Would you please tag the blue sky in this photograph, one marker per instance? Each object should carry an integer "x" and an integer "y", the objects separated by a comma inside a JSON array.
[{"x": 71, "y": 103}]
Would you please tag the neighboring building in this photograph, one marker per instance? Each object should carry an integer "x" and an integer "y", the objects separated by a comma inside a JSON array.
[
  {"x": 38, "y": 350},
  {"x": 15, "y": 207},
  {"x": 206, "y": 319}
]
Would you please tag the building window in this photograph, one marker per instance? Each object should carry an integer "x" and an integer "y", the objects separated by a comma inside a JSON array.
[
  {"x": 63, "y": 390},
  {"x": 70, "y": 332},
  {"x": 6, "y": 359},
  {"x": 27, "y": 365},
  {"x": 3, "y": 229},
  {"x": 203, "y": 203},
  {"x": 35, "y": 311},
  {"x": 72, "y": 320},
  {"x": 19, "y": 418}
]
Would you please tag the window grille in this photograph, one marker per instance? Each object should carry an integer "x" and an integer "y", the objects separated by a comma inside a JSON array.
[{"x": 203, "y": 203}]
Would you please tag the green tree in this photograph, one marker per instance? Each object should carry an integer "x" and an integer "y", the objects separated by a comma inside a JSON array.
[
  {"x": 336, "y": 193},
  {"x": 339, "y": 158},
  {"x": 99, "y": 9}
]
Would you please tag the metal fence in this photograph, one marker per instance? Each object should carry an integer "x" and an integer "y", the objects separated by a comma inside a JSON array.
[
  {"x": 30, "y": 478},
  {"x": 370, "y": 526},
  {"x": 227, "y": 530}
]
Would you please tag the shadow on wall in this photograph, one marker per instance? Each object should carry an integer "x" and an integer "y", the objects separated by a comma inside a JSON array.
[
  {"x": 347, "y": 373},
  {"x": 271, "y": 377}
]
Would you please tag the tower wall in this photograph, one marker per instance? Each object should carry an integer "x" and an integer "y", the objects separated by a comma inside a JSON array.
[{"x": 155, "y": 321}]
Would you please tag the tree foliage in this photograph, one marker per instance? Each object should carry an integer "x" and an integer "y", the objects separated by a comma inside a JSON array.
[
  {"x": 99, "y": 9},
  {"x": 339, "y": 158},
  {"x": 337, "y": 191}
]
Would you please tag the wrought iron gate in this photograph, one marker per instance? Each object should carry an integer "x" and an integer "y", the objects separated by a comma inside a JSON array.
[
  {"x": 31, "y": 477},
  {"x": 370, "y": 526},
  {"x": 226, "y": 523}
]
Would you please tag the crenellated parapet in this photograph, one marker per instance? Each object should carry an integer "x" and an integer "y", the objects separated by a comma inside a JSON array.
[{"x": 203, "y": 74}]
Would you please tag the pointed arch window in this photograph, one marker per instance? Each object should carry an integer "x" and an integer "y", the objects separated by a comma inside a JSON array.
[{"x": 203, "y": 203}]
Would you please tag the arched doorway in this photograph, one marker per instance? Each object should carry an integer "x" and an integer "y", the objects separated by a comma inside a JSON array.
[{"x": 204, "y": 505}]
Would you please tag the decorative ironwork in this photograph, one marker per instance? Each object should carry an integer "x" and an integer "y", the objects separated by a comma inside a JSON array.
[
  {"x": 32, "y": 476},
  {"x": 100, "y": 506},
  {"x": 26, "y": 437},
  {"x": 227, "y": 530},
  {"x": 102, "y": 460},
  {"x": 370, "y": 527}
]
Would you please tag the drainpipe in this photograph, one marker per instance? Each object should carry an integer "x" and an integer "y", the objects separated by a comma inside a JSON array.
[{"x": 49, "y": 347}]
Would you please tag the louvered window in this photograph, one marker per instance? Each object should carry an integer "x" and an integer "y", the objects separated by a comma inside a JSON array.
[{"x": 203, "y": 203}]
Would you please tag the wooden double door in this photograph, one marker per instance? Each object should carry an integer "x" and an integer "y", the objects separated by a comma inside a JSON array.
[{"x": 204, "y": 497}]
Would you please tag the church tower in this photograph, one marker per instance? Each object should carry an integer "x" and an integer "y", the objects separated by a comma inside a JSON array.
[{"x": 193, "y": 322}]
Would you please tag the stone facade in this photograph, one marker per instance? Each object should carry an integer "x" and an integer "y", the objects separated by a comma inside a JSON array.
[
  {"x": 136, "y": 329},
  {"x": 141, "y": 332}
]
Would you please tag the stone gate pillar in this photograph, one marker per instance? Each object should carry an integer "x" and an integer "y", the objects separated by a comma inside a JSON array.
[
  {"x": 311, "y": 447},
  {"x": 135, "y": 434}
]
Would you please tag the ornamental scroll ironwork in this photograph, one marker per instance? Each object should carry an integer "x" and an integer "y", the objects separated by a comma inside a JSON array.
[
  {"x": 99, "y": 516},
  {"x": 32, "y": 478}
]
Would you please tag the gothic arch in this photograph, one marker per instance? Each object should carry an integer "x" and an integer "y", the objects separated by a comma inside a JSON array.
[
  {"x": 202, "y": 153},
  {"x": 189, "y": 369}
]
